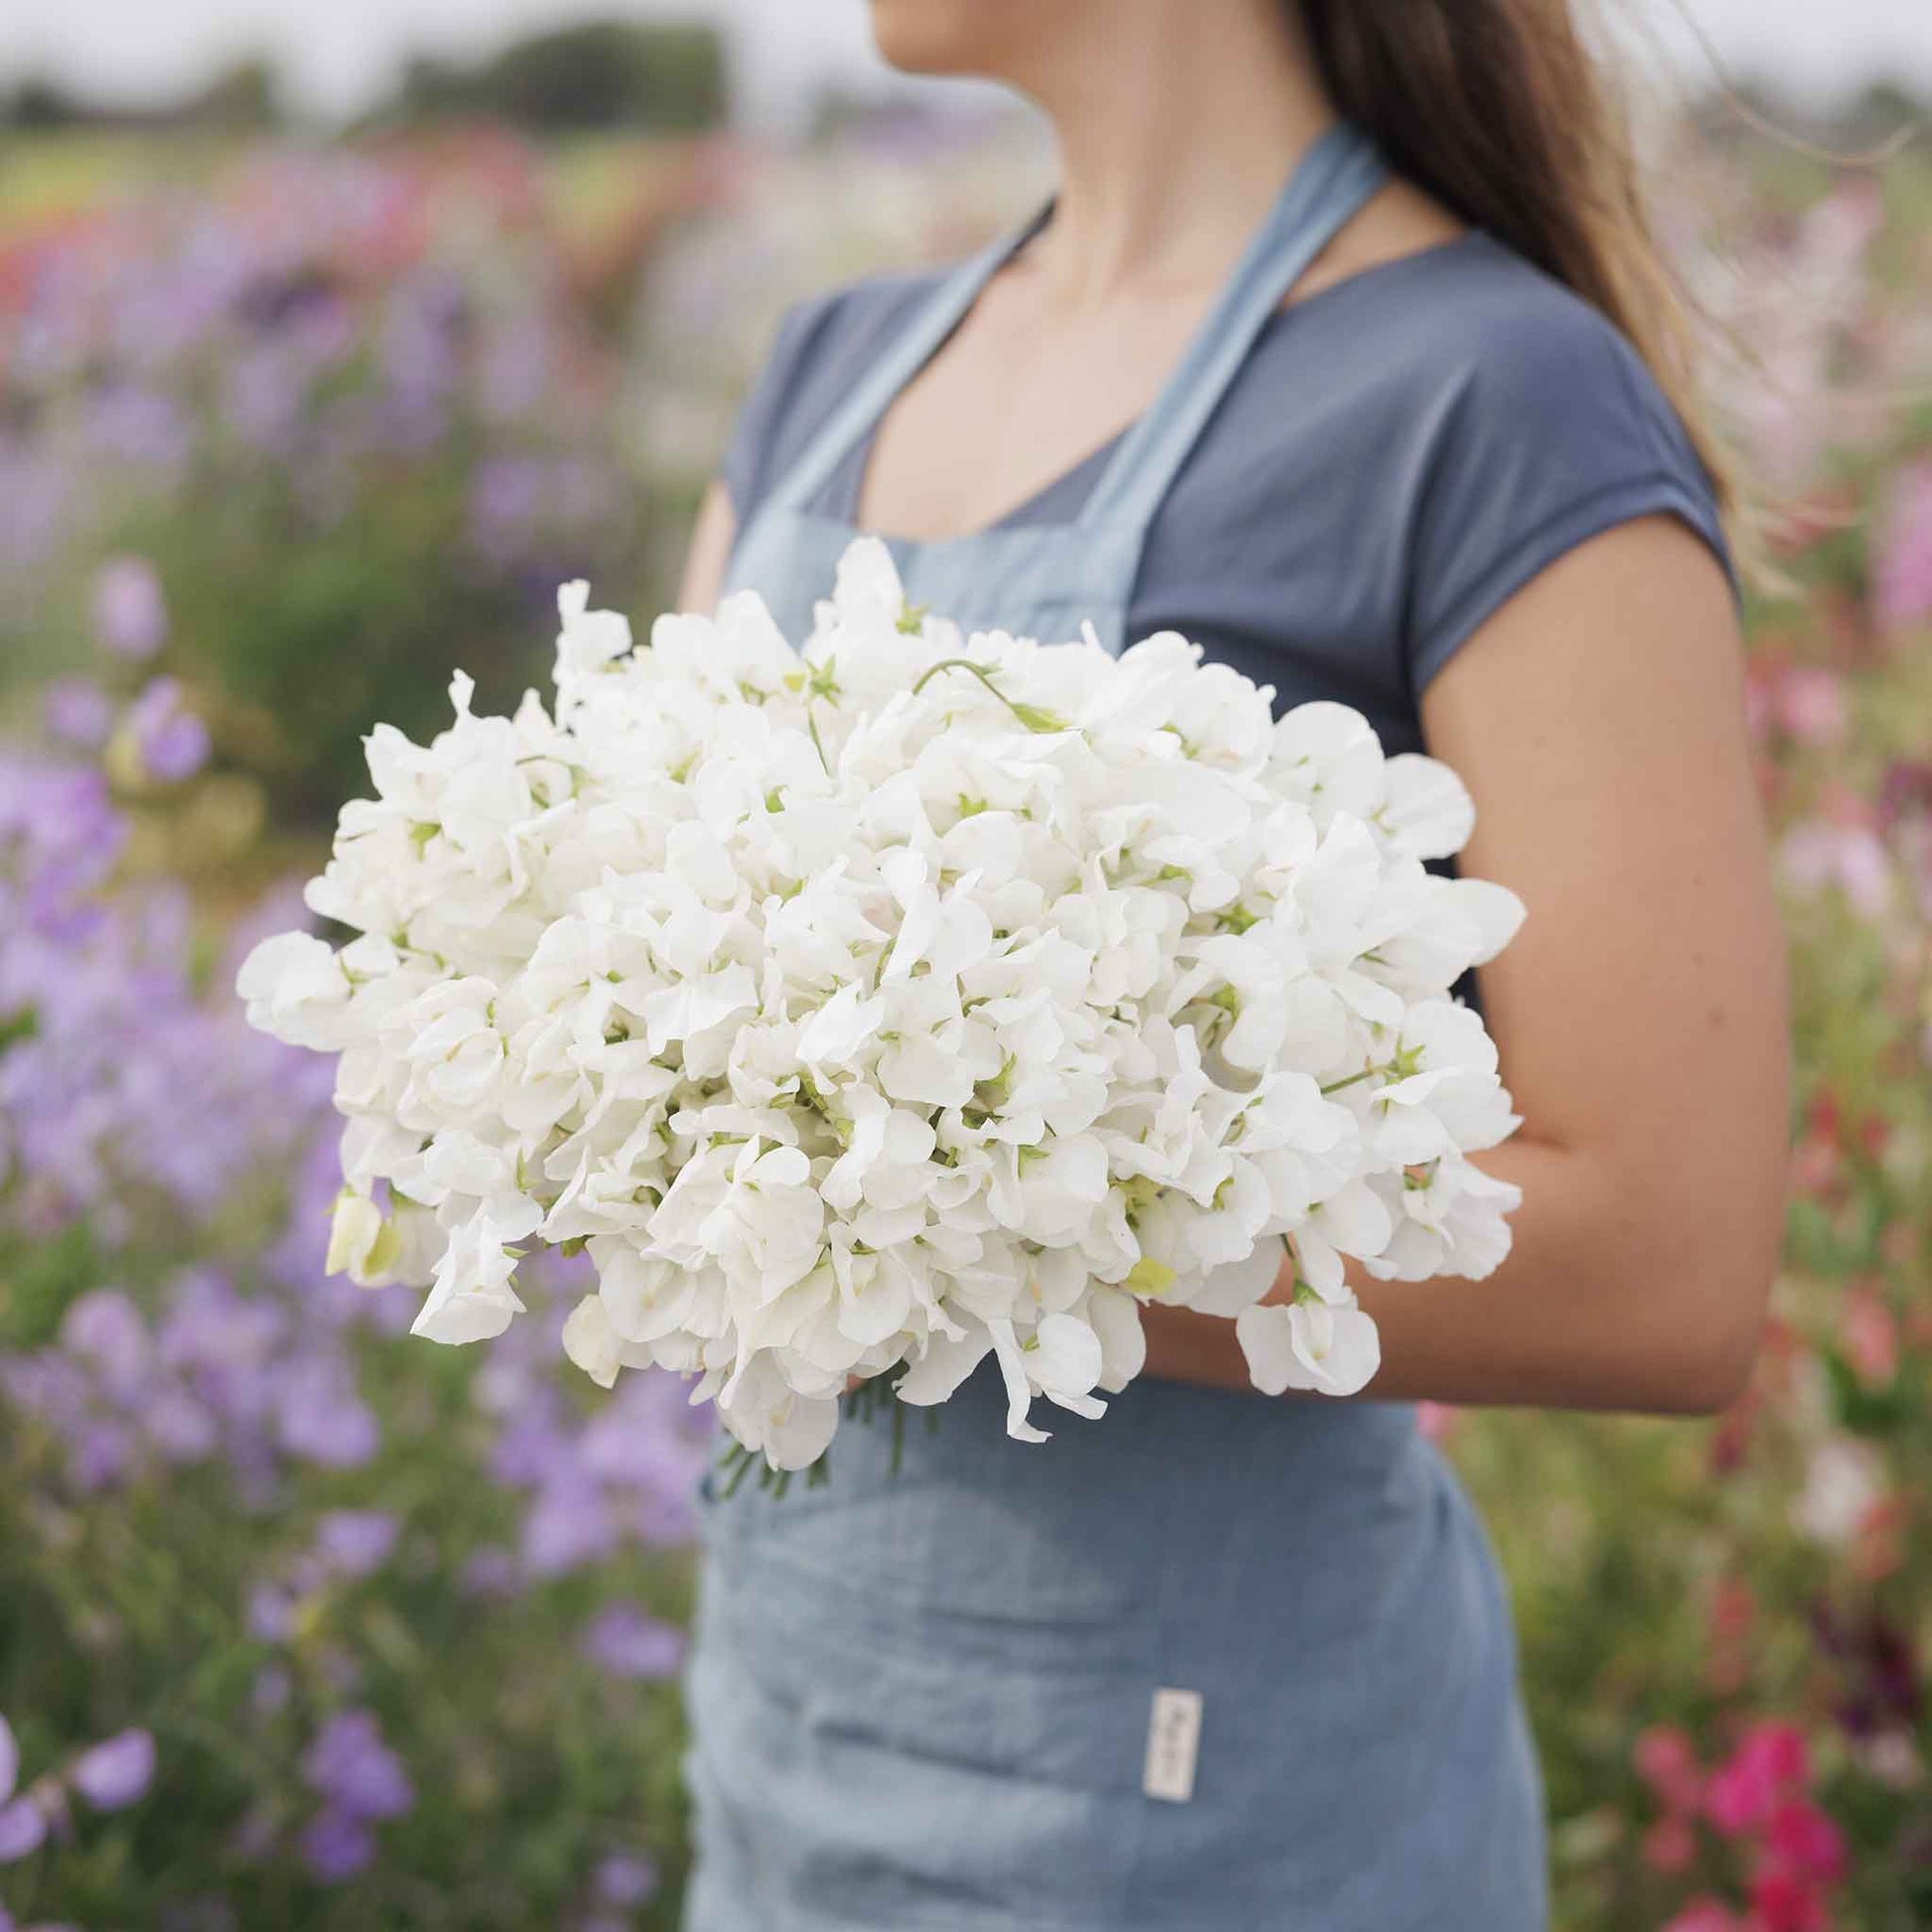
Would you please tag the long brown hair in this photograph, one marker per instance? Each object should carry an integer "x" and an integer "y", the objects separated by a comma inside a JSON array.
[{"x": 1497, "y": 109}]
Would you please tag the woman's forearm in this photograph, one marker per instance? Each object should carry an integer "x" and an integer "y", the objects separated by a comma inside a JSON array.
[{"x": 1599, "y": 1305}]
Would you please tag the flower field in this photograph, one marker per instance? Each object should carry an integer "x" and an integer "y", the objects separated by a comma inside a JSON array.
[{"x": 306, "y": 1624}]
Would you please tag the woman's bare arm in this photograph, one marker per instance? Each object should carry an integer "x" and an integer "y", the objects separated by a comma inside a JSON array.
[
  {"x": 710, "y": 550},
  {"x": 1640, "y": 1013}
]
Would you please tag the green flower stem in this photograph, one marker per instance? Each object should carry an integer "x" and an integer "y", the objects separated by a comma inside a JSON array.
[{"x": 1032, "y": 716}]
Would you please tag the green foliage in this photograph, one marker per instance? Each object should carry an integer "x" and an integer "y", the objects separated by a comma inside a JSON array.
[{"x": 661, "y": 80}]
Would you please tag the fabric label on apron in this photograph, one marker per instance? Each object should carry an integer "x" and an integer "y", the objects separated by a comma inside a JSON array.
[{"x": 1173, "y": 1742}]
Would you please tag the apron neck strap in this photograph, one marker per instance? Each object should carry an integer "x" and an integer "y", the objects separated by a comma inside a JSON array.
[
  {"x": 910, "y": 353},
  {"x": 1329, "y": 184},
  {"x": 1332, "y": 181}
]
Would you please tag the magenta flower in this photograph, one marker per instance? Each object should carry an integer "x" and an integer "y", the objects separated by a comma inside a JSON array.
[
  {"x": 1805, "y": 1843},
  {"x": 1769, "y": 1767},
  {"x": 116, "y": 1772}
]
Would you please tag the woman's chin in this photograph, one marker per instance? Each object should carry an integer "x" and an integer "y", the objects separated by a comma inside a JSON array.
[{"x": 953, "y": 37}]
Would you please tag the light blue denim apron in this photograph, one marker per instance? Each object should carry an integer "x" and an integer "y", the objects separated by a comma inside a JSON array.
[{"x": 945, "y": 1697}]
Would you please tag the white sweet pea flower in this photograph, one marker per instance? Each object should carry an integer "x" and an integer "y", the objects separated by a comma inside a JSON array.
[
  {"x": 792, "y": 1430},
  {"x": 594, "y": 1346},
  {"x": 1350, "y": 1222},
  {"x": 1308, "y": 1345},
  {"x": 1426, "y": 808},
  {"x": 376, "y": 1250},
  {"x": 751, "y": 1208},
  {"x": 293, "y": 987},
  {"x": 474, "y": 1295},
  {"x": 588, "y": 639}
]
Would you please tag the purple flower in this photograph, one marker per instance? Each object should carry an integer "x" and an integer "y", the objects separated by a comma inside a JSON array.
[
  {"x": 78, "y": 712},
  {"x": 336, "y": 1846},
  {"x": 130, "y": 612},
  {"x": 116, "y": 1772},
  {"x": 323, "y": 1418},
  {"x": 23, "y": 1830},
  {"x": 105, "y": 1329},
  {"x": 490, "y": 1572},
  {"x": 270, "y": 1689},
  {"x": 271, "y": 1613},
  {"x": 350, "y": 1766},
  {"x": 568, "y": 1525},
  {"x": 628, "y": 1642},
  {"x": 627, "y": 1880},
  {"x": 172, "y": 740},
  {"x": 355, "y": 1542}
]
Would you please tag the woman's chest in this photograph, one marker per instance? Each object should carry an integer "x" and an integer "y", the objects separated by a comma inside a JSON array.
[{"x": 1015, "y": 399}]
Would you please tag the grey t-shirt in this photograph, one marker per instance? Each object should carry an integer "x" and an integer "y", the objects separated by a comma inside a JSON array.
[{"x": 1398, "y": 454}]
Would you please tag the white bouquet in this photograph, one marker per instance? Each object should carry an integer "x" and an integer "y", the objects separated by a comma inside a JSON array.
[{"x": 873, "y": 1008}]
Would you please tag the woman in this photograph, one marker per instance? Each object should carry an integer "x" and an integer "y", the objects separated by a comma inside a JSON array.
[{"x": 1395, "y": 434}]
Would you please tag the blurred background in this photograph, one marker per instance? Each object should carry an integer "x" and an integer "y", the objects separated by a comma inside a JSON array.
[{"x": 332, "y": 338}]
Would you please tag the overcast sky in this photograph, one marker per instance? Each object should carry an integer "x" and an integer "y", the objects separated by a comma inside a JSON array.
[{"x": 337, "y": 54}]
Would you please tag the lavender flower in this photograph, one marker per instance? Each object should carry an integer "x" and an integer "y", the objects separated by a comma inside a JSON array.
[
  {"x": 351, "y": 1767},
  {"x": 23, "y": 1830},
  {"x": 171, "y": 740},
  {"x": 23, "y": 1825},
  {"x": 627, "y": 1880},
  {"x": 78, "y": 712},
  {"x": 130, "y": 612},
  {"x": 336, "y": 1846},
  {"x": 630, "y": 1642},
  {"x": 355, "y": 1542},
  {"x": 115, "y": 1773}
]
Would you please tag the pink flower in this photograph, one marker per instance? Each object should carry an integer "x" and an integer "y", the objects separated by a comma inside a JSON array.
[
  {"x": 1810, "y": 704},
  {"x": 1666, "y": 1761},
  {"x": 1670, "y": 1844},
  {"x": 1806, "y": 1842},
  {"x": 1706, "y": 1915},
  {"x": 1902, "y": 575},
  {"x": 1870, "y": 1332},
  {"x": 1817, "y": 853},
  {"x": 1780, "y": 1904},
  {"x": 1769, "y": 1766}
]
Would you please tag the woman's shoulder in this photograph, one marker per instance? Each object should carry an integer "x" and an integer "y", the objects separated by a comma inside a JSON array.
[
  {"x": 821, "y": 346},
  {"x": 1484, "y": 419},
  {"x": 1469, "y": 338}
]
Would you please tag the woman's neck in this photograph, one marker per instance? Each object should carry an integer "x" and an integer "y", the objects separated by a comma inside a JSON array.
[{"x": 1172, "y": 142}]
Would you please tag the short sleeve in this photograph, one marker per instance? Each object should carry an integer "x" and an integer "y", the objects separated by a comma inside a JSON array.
[{"x": 1552, "y": 431}]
